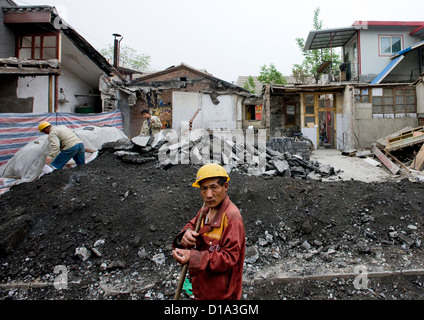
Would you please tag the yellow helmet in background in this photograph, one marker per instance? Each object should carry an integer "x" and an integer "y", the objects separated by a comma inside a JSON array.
[
  {"x": 43, "y": 125},
  {"x": 211, "y": 170}
]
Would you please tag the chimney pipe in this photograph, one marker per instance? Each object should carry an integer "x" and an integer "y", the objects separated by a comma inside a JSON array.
[{"x": 116, "y": 50}]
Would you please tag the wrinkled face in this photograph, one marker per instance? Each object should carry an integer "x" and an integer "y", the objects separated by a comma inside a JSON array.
[{"x": 212, "y": 192}]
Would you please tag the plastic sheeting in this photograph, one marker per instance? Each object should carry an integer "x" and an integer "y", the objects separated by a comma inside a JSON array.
[{"x": 16, "y": 130}]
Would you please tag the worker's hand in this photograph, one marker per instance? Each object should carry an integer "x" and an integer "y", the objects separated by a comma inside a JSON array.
[
  {"x": 181, "y": 256},
  {"x": 49, "y": 161},
  {"x": 189, "y": 239}
]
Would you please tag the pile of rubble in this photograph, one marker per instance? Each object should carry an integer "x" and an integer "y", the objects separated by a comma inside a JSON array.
[{"x": 245, "y": 157}]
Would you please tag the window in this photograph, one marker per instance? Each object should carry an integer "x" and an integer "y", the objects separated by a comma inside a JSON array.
[
  {"x": 253, "y": 112},
  {"x": 355, "y": 50},
  {"x": 390, "y": 45},
  {"x": 38, "y": 47},
  {"x": 362, "y": 95},
  {"x": 290, "y": 115},
  {"x": 391, "y": 102},
  {"x": 309, "y": 110}
]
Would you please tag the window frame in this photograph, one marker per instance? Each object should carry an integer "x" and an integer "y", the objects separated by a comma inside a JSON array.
[
  {"x": 391, "y": 36},
  {"x": 405, "y": 110},
  {"x": 253, "y": 112},
  {"x": 37, "y": 52}
]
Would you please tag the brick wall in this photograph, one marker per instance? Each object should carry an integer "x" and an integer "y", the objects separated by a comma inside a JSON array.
[
  {"x": 282, "y": 145},
  {"x": 7, "y": 38}
]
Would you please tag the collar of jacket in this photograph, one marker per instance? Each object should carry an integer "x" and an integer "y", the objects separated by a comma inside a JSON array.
[{"x": 217, "y": 220}]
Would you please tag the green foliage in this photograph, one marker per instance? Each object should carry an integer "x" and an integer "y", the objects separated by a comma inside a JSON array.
[
  {"x": 250, "y": 85},
  {"x": 270, "y": 75},
  {"x": 312, "y": 59},
  {"x": 129, "y": 58}
]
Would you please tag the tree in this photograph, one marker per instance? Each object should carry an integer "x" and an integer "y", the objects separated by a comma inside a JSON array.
[
  {"x": 129, "y": 58},
  {"x": 314, "y": 58},
  {"x": 250, "y": 85},
  {"x": 270, "y": 75}
]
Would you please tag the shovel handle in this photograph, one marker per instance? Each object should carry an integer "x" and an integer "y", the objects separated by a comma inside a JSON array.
[{"x": 185, "y": 267}]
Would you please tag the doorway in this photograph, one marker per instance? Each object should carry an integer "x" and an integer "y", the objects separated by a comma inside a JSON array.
[
  {"x": 319, "y": 116},
  {"x": 326, "y": 121}
]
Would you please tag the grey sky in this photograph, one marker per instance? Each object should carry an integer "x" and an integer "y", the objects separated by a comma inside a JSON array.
[{"x": 228, "y": 38}]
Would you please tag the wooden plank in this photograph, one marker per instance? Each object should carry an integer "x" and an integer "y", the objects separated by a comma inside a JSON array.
[
  {"x": 386, "y": 161},
  {"x": 419, "y": 159},
  {"x": 397, "y": 160},
  {"x": 29, "y": 71},
  {"x": 27, "y": 17}
]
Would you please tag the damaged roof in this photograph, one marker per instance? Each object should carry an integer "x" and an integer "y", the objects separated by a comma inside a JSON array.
[
  {"x": 42, "y": 17},
  {"x": 144, "y": 80}
]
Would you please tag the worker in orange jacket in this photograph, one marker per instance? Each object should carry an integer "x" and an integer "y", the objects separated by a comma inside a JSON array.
[{"x": 215, "y": 255}]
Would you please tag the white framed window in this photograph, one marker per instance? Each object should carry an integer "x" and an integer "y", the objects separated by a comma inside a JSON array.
[{"x": 389, "y": 45}]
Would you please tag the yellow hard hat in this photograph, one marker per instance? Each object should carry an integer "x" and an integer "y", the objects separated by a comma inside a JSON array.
[
  {"x": 211, "y": 170},
  {"x": 43, "y": 125}
]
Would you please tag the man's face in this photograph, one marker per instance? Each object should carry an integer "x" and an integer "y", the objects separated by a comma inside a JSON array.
[
  {"x": 213, "y": 193},
  {"x": 146, "y": 116},
  {"x": 46, "y": 130}
]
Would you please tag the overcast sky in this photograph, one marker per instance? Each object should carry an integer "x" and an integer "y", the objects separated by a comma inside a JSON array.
[{"x": 228, "y": 38}]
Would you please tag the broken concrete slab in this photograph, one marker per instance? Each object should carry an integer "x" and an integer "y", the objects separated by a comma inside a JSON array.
[
  {"x": 141, "y": 141},
  {"x": 282, "y": 167},
  {"x": 372, "y": 162}
]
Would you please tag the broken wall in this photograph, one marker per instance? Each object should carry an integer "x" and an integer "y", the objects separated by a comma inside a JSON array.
[
  {"x": 205, "y": 113},
  {"x": 368, "y": 129},
  {"x": 277, "y": 113},
  {"x": 9, "y": 101}
]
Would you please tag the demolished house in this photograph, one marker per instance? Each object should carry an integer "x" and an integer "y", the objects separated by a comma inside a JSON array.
[
  {"x": 376, "y": 92},
  {"x": 46, "y": 66},
  {"x": 183, "y": 94}
]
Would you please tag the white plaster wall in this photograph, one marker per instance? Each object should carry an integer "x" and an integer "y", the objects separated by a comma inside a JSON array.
[
  {"x": 220, "y": 116},
  {"x": 372, "y": 63},
  {"x": 73, "y": 85},
  {"x": 225, "y": 115},
  {"x": 37, "y": 88},
  {"x": 184, "y": 106}
]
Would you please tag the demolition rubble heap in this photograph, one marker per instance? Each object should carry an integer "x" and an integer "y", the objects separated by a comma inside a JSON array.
[
  {"x": 235, "y": 157},
  {"x": 108, "y": 227}
]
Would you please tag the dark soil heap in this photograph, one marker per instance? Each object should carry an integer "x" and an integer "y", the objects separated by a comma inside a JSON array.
[{"x": 111, "y": 224}]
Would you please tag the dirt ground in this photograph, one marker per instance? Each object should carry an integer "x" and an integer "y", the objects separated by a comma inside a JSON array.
[{"x": 107, "y": 229}]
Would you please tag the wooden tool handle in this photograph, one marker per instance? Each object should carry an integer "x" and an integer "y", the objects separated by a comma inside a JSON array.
[{"x": 185, "y": 267}]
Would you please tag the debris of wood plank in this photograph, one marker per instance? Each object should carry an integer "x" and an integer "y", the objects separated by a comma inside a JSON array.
[
  {"x": 385, "y": 141},
  {"x": 397, "y": 160},
  {"x": 386, "y": 161},
  {"x": 419, "y": 160},
  {"x": 349, "y": 153},
  {"x": 406, "y": 138}
]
